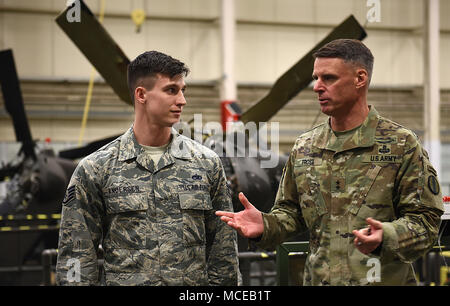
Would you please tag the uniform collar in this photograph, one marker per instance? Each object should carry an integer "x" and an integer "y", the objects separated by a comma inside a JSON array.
[
  {"x": 130, "y": 149},
  {"x": 364, "y": 136}
]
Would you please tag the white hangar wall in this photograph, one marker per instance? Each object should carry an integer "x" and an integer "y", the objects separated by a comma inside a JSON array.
[{"x": 271, "y": 35}]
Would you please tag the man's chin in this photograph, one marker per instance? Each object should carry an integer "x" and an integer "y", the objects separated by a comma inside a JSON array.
[
  {"x": 174, "y": 122},
  {"x": 325, "y": 109}
]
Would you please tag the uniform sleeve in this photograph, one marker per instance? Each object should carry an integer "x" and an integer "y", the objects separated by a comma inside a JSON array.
[
  {"x": 221, "y": 240},
  {"x": 418, "y": 207},
  {"x": 80, "y": 230},
  {"x": 285, "y": 218}
]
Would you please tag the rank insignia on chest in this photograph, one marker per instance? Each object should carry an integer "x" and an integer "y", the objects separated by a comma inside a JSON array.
[{"x": 338, "y": 184}]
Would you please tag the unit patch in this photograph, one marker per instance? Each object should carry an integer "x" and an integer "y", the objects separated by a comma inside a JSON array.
[{"x": 433, "y": 185}]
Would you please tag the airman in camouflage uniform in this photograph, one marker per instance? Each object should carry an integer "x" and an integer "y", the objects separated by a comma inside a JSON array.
[
  {"x": 155, "y": 221},
  {"x": 354, "y": 170}
]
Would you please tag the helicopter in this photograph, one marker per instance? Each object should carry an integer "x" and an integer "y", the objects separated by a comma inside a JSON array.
[{"x": 38, "y": 178}]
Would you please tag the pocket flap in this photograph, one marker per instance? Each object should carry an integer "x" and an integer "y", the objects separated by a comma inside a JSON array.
[
  {"x": 195, "y": 200},
  {"x": 370, "y": 177},
  {"x": 129, "y": 203}
]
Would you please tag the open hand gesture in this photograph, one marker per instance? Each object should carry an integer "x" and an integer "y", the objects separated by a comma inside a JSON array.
[{"x": 248, "y": 222}]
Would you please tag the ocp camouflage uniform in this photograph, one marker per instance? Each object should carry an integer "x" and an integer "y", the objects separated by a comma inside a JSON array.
[
  {"x": 156, "y": 224},
  {"x": 381, "y": 172}
]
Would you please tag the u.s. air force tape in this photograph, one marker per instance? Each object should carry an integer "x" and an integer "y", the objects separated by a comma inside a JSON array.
[{"x": 70, "y": 194}]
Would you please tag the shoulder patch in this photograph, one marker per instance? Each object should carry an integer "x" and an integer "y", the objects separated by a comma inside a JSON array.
[
  {"x": 433, "y": 185},
  {"x": 70, "y": 194}
]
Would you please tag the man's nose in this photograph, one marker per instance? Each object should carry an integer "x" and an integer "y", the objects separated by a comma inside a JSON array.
[
  {"x": 181, "y": 100},
  {"x": 318, "y": 86}
]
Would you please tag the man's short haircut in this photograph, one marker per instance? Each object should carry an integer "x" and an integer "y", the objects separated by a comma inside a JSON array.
[
  {"x": 351, "y": 51},
  {"x": 149, "y": 64}
]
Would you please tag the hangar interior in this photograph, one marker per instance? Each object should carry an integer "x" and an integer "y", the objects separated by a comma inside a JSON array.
[{"x": 270, "y": 36}]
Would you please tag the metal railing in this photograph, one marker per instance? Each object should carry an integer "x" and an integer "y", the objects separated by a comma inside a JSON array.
[
  {"x": 47, "y": 259},
  {"x": 428, "y": 267},
  {"x": 253, "y": 266}
]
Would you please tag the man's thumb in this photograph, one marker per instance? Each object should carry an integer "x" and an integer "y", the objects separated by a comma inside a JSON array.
[{"x": 375, "y": 223}]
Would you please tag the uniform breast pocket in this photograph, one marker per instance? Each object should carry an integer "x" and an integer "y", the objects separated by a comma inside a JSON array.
[
  {"x": 127, "y": 216},
  {"x": 312, "y": 202},
  {"x": 367, "y": 189},
  {"x": 194, "y": 205}
]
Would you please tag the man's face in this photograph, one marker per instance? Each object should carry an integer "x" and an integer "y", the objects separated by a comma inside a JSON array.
[
  {"x": 165, "y": 101},
  {"x": 335, "y": 85}
]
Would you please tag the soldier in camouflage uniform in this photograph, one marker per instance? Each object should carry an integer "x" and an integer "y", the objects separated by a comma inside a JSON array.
[
  {"x": 361, "y": 184},
  {"x": 153, "y": 213}
]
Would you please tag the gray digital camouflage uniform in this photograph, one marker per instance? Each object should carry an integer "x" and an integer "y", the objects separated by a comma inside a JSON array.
[
  {"x": 156, "y": 224},
  {"x": 382, "y": 172}
]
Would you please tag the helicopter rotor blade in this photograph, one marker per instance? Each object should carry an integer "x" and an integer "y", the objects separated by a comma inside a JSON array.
[
  {"x": 285, "y": 88},
  {"x": 298, "y": 76},
  {"x": 87, "y": 149},
  {"x": 12, "y": 96},
  {"x": 100, "y": 49}
]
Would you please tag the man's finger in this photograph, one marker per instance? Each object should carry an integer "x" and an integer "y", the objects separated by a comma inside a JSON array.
[
  {"x": 233, "y": 225},
  {"x": 226, "y": 219},
  {"x": 361, "y": 237},
  {"x": 221, "y": 213},
  {"x": 375, "y": 223},
  {"x": 244, "y": 201}
]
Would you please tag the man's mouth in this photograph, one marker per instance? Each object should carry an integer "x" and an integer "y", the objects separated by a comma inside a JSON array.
[{"x": 323, "y": 100}]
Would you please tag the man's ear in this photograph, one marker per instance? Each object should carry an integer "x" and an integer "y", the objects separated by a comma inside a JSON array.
[
  {"x": 139, "y": 95},
  {"x": 362, "y": 78}
]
